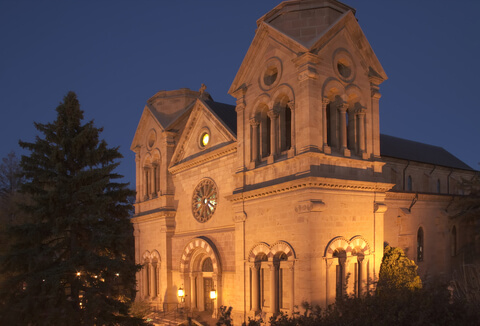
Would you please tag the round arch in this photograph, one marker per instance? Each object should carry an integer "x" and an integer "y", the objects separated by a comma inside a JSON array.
[
  {"x": 282, "y": 91},
  {"x": 333, "y": 88},
  {"x": 196, "y": 245}
]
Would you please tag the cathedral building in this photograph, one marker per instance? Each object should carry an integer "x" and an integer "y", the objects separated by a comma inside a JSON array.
[{"x": 285, "y": 196}]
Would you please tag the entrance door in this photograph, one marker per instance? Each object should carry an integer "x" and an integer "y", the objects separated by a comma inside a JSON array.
[{"x": 207, "y": 287}]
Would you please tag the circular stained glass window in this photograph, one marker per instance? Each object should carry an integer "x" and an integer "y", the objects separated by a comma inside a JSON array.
[{"x": 204, "y": 201}]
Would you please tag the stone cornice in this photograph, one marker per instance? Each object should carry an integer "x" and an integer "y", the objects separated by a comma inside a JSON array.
[
  {"x": 155, "y": 215},
  {"x": 423, "y": 197},
  {"x": 207, "y": 157},
  {"x": 311, "y": 183}
]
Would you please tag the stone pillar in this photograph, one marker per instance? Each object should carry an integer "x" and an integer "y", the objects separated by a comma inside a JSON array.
[
  {"x": 138, "y": 174},
  {"x": 349, "y": 269},
  {"x": 273, "y": 289},
  {"x": 254, "y": 123},
  {"x": 216, "y": 287},
  {"x": 255, "y": 268},
  {"x": 331, "y": 280},
  {"x": 292, "y": 286},
  {"x": 193, "y": 292},
  {"x": 375, "y": 116},
  {"x": 380, "y": 209},
  {"x": 243, "y": 139},
  {"x": 146, "y": 177},
  {"x": 273, "y": 115},
  {"x": 326, "y": 148},
  {"x": 291, "y": 151},
  {"x": 364, "y": 276},
  {"x": 361, "y": 112},
  {"x": 342, "y": 110}
]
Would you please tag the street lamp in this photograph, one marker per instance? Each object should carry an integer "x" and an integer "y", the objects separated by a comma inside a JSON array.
[{"x": 181, "y": 294}]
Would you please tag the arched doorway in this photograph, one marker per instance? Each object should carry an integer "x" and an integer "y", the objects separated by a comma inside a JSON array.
[{"x": 201, "y": 273}]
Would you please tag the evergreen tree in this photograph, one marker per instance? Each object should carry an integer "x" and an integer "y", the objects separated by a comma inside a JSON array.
[
  {"x": 70, "y": 263},
  {"x": 397, "y": 272}
]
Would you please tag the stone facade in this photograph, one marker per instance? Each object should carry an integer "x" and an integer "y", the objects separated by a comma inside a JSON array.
[{"x": 281, "y": 198}]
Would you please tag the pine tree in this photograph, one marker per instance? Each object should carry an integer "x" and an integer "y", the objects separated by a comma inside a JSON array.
[{"x": 70, "y": 263}]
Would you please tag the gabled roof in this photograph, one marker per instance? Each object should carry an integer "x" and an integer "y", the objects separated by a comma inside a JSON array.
[
  {"x": 419, "y": 152},
  {"x": 226, "y": 113},
  {"x": 344, "y": 20}
]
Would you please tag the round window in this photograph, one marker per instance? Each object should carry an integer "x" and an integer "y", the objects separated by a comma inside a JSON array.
[
  {"x": 205, "y": 200},
  {"x": 204, "y": 139},
  {"x": 270, "y": 75}
]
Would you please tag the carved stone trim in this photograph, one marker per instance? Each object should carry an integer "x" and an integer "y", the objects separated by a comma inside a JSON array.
[
  {"x": 310, "y": 182},
  {"x": 308, "y": 206}
]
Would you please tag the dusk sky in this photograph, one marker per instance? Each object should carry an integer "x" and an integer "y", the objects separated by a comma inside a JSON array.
[{"x": 117, "y": 54}]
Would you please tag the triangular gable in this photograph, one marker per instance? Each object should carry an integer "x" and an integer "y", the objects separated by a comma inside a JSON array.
[
  {"x": 147, "y": 122},
  {"x": 189, "y": 151},
  {"x": 258, "y": 47},
  {"x": 348, "y": 22}
]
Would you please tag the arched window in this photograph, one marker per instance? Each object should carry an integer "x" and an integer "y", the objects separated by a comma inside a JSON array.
[
  {"x": 146, "y": 276},
  {"x": 340, "y": 288},
  {"x": 287, "y": 144},
  {"x": 282, "y": 282},
  {"x": 207, "y": 265},
  {"x": 154, "y": 279},
  {"x": 409, "y": 183},
  {"x": 438, "y": 186},
  {"x": 453, "y": 241},
  {"x": 420, "y": 244},
  {"x": 261, "y": 132},
  {"x": 271, "y": 278},
  {"x": 259, "y": 278}
]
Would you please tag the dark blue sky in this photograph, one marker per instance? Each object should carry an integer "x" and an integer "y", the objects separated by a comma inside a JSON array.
[{"x": 117, "y": 54}]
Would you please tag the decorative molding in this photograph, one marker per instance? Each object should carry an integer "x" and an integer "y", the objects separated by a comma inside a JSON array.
[
  {"x": 307, "y": 206},
  {"x": 166, "y": 215},
  {"x": 421, "y": 197},
  {"x": 240, "y": 217},
  {"x": 223, "y": 151},
  {"x": 271, "y": 251},
  {"x": 380, "y": 208},
  {"x": 310, "y": 182}
]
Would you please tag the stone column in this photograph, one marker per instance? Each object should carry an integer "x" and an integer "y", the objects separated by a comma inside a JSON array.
[
  {"x": 291, "y": 105},
  {"x": 342, "y": 110},
  {"x": 331, "y": 280},
  {"x": 254, "y": 123},
  {"x": 364, "y": 276},
  {"x": 292, "y": 286},
  {"x": 375, "y": 118},
  {"x": 273, "y": 115},
  {"x": 326, "y": 148},
  {"x": 255, "y": 268},
  {"x": 273, "y": 289},
  {"x": 138, "y": 174},
  {"x": 349, "y": 268},
  {"x": 361, "y": 112},
  {"x": 216, "y": 287},
  {"x": 193, "y": 293},
  {"x": 146, "y": 187},
  {"x": 380, "y": 209}
]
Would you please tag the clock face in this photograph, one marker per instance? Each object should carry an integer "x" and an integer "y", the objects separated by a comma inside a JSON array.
[{"x": 204, "y": 201}]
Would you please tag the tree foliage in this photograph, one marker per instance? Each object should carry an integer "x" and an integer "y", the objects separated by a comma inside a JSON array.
[
  {"x": 397, "y": 272},
  {"x": 69, "y": 263}
]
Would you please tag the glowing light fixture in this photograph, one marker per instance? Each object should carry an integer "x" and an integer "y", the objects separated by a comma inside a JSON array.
[
  {"x": 181, "y": 294},
  {"x": 213, "y": 294},
  {"x": 205, "y": 139}
]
